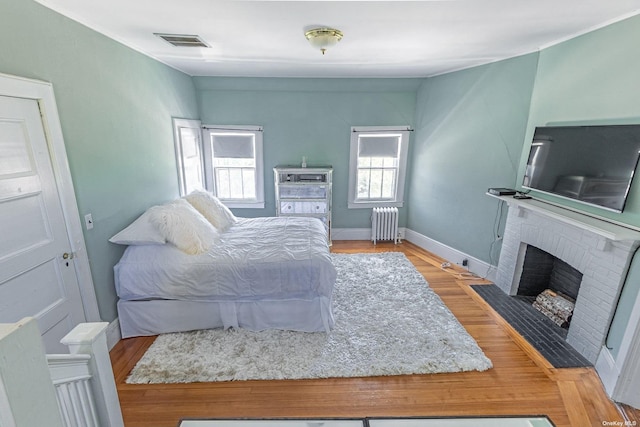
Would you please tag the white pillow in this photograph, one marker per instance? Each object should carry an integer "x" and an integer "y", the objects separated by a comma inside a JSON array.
[
  {"x": 139, "y": 232},
  {"x": 183, "y": 226},
  {"x": 212, "y": 209}
]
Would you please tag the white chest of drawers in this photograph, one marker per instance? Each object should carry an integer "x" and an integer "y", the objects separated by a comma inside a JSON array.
[{"x": 304, "y": 192}]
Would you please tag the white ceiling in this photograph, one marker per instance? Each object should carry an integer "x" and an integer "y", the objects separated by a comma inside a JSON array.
[{"x": 381, "y": 38}]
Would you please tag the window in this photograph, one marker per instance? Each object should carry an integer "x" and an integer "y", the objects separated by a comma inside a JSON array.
[
  {"x": 226, "y": 160},
  {"x": 188, "y": 155},
  {"x": 377, "y": 166},
  {"x": 233, "y": 159}
]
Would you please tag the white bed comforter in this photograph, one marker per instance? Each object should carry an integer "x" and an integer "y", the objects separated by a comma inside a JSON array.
[{"x": 274, "y": 258}]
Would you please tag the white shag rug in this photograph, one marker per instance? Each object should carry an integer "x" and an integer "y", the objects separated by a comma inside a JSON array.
[{"x": 388, "y": 322}]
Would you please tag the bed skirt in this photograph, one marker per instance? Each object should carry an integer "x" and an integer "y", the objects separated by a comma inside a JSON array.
[{"x": 153, "y": 317}]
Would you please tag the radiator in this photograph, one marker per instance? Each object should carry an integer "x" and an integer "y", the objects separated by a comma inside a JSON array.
[{"x": 384, "y": 224}]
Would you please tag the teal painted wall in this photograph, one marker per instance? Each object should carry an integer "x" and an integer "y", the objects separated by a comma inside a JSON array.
[
  {"x": 594, "y": 79},
  {"x": 469, "y": 134},
  {"x": 115, "y": 108},
  {"x": 312, "y": 118}
]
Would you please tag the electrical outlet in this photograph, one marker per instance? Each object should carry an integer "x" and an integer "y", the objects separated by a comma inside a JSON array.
[
  {"x": 465, "y": 262},
  {"x": 88, "y": 221}
]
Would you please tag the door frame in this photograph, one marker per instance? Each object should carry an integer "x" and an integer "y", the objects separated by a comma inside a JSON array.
[{"x": 42, "y": 93}]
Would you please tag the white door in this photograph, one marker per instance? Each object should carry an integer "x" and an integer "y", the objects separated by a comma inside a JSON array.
[{"x": 37, "y": 275}]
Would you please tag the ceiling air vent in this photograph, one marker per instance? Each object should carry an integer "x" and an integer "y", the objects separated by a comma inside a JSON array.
[{"x": 183, "y": 40}]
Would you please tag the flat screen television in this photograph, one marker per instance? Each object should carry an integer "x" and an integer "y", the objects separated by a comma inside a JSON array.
[{"x": 591, "y": 164}]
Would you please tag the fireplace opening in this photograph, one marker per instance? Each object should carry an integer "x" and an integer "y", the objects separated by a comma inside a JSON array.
[{"x": 550, "y": 285}]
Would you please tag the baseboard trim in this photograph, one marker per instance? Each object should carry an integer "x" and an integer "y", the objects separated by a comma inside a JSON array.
[
  {"x": 113, "y": 333},
  {"x": 351, "y": 234},
  {"x": 475, "y": 265},
  {"x": 608, "y": 370},
  {"x": 358, "y": 233}
]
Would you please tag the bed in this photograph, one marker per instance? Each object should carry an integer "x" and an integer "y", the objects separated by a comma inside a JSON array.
[{"x": 259, "y": 273}]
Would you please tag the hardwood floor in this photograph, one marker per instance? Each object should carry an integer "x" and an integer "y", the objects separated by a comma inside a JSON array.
[{"x": 520, "y": 383}]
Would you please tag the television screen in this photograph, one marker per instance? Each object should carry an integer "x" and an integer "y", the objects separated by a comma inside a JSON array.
[{"x": 590, "y": 164}]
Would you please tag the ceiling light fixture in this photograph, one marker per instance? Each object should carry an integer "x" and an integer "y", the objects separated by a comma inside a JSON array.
[{"x": 323, "y": 38}]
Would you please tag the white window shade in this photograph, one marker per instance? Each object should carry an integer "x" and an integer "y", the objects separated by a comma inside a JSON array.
[
  {"x": 378, "y": 145},
  {"x": 234, "y": 146}
]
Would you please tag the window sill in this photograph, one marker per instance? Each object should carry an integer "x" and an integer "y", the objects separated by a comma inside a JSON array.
[
  {"x": 369, "y": 205},
  {"x": 243, "y": 205}
]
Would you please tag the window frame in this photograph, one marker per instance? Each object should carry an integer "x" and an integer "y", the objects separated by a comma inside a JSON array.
[
  {"x": 207, "y": 130},
  {"x": 398, "y": 200},
  {"x": 194, "y": 125}
]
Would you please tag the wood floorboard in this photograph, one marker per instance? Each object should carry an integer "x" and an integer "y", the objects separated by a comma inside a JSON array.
[
  {"x": 633, "y": 415},
  {"x": 521, "y": 382}
]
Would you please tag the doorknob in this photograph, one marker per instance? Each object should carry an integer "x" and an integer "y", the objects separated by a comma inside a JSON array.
[{"x": 67, "y": 255}]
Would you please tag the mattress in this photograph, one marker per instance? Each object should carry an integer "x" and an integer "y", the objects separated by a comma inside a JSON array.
[{"x": 257, "y": 259}]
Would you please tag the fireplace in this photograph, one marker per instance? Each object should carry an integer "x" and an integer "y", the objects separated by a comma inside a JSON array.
[
  {"x": 550, "y": 285},
  {"x": 599, "y": 256}
]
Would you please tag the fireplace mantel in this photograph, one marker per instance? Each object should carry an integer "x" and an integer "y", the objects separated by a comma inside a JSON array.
[{"x": 602, "y": 227}]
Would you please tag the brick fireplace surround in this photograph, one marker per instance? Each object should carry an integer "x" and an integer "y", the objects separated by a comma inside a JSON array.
[{"x": 600, "y": 250}]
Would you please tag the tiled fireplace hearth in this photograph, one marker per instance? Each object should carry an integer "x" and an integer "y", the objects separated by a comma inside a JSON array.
[{"x": 599, "y": 250}]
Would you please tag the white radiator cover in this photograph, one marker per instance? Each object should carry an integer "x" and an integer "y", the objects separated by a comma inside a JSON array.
[{"x": 384, "y": 224}]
